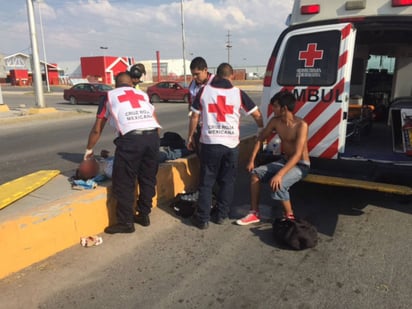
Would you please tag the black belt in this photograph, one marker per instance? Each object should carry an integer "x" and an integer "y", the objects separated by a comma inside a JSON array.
[{"x": 142, "y": 132}]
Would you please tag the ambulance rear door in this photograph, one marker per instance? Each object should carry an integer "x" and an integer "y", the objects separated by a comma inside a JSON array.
[{"x": 315, "y": 64}]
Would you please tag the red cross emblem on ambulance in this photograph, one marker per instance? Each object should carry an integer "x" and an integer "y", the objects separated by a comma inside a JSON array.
[
  {"x": 220, "y": 108},
  {"x": 311, "y": 54}
]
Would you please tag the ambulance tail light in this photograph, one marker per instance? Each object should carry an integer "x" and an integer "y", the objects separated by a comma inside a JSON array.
[
  {"x": 401, "y": 2},
  {"x": 269, "y": 72},
  {"x": 310, "y": 9}
]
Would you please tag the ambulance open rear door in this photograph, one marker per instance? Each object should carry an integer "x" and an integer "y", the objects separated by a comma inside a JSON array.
[{"x": 315, "y": 64}]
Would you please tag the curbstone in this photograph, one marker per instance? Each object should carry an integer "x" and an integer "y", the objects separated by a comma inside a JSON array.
[{"x": 30, "y": 233}]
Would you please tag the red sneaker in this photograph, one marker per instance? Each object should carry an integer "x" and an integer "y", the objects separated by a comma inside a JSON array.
[
  {"x": 290, "y": 217},
  {"x": 251, "y": 217}
]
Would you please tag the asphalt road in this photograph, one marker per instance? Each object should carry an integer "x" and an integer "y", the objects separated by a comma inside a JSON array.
[{"x": 29, "y": 144}]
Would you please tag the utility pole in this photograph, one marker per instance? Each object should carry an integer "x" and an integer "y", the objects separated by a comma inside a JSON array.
[
  {"x": 183, "y": 39},
  {"x": 1, "y": 97},
  {"x": 38, "y": 90},
  {"x": 228, "y": 46},
  {"x": 46, "y": 70}
]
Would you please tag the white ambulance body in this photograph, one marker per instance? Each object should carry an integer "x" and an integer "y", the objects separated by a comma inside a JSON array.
[{"x": 349, "y": 63}]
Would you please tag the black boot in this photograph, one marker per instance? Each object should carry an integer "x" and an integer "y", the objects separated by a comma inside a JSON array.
[
  {"x": 142, "y": 219},
  {"x": 120, "y": 228},
  {"x": 199, "y": 224}
]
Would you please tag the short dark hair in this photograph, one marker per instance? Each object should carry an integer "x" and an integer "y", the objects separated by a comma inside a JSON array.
[
  {"x": 284, "y": 98},
  {"x": 224, "y": 70},
  {"x": 198, "y": 63},
  {"x": 121, "y": 77}
]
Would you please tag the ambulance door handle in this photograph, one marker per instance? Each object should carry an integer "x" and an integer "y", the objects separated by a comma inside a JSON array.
[
  {"x": 345, "y": 97},
  {"x": 345, "y": 115}
]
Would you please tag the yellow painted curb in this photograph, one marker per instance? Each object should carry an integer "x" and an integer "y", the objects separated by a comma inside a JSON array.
[
  {"x": 4, "y": 108},
  {"x": 34, "y": 236},
  {"x": 52, "y": 228},
  {"x": 43, "y": 110}
]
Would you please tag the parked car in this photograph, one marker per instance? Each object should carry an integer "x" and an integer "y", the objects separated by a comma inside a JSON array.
[
  {"x": 168, "y": 91},
  {"x": 86, "y": 93}
]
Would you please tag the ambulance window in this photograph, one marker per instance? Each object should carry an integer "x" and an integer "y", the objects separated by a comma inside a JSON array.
[
  {"x": 310, "y": 59},
  {"x": 382, "y": 63}
]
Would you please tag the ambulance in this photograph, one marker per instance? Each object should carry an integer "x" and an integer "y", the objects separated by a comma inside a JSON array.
[{"x": 349, "y": 64}]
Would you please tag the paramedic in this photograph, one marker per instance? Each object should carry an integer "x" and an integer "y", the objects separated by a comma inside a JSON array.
[
  {"x": 137, "y": 146},
  {"x": 201, "y": 76},
  {"x": 294, "y": 163},
  {"x": 136, "y": 72},
  {"x": 218, "y": 104}
]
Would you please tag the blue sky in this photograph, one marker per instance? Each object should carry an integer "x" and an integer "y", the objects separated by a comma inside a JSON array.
[{"x": 139, "y": 28}]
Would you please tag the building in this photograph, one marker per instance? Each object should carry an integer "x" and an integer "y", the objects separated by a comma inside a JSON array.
[
  {"x": 16, "y": 69},
  {"x": 103, "y": 69}
]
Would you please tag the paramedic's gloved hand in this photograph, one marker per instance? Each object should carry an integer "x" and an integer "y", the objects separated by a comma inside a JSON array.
[{"x": 88, "y": 154}]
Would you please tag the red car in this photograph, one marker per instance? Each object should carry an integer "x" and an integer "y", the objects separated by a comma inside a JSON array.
[
  {"x": 86, "y": 93},
  {"x": 168, "y": 91}
]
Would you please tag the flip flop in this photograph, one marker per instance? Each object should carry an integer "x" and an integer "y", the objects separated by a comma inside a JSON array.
[{"x": 91, "y": 241}]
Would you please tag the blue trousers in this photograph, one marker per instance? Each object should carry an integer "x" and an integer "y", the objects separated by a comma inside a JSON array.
[
  {"x": 218, "y": 164},
  {"x": 266, "y": 172}
]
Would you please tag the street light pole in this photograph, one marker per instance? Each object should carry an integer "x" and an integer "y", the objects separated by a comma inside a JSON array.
[
  {"x": 35, "y": 53},
  {"x": 183, "y": 40},
  {"x": 104, "y": 48},
  {"x": 228, "y": 46},
  {"x": 46, "y": 71}
]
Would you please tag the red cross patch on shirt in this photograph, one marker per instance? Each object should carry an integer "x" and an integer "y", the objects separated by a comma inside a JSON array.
[
  {"x": 220, "y": 108},
  {"x": 132, "y": 97}
]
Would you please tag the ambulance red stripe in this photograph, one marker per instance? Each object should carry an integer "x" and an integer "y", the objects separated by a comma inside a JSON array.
[
  {"x": 324, "y": 130},
  {"x": 346, "y": 31},
  {"x": 331, "y": 152},
  {"x": 343, "y": 59}
]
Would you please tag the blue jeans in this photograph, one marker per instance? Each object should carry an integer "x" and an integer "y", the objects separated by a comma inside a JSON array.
[
  {"x": 218, "y": 164},
  {"x": 266, "y": 172}
]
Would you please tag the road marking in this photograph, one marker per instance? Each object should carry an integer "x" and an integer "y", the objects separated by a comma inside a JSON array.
[{"x": 13, "y": 190}]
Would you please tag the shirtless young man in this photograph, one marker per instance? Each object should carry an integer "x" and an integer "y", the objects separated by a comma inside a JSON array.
[{"x": 292, "y": 167}]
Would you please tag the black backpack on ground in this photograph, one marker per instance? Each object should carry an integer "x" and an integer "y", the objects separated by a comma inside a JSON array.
[
  {"x": 296, "y": 234},
  {"x": 172, "y": 140},
  {"x": 185, "y": 204}
]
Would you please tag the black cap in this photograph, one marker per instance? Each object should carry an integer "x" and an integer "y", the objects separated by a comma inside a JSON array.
[{"x": 137, "y": 70}]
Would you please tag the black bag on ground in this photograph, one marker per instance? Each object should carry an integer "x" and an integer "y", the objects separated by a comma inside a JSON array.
[
  {"x": 185, "y": 204},
  {"x": 297, "y": 234},
  {"x": 172, "y": 140}
]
